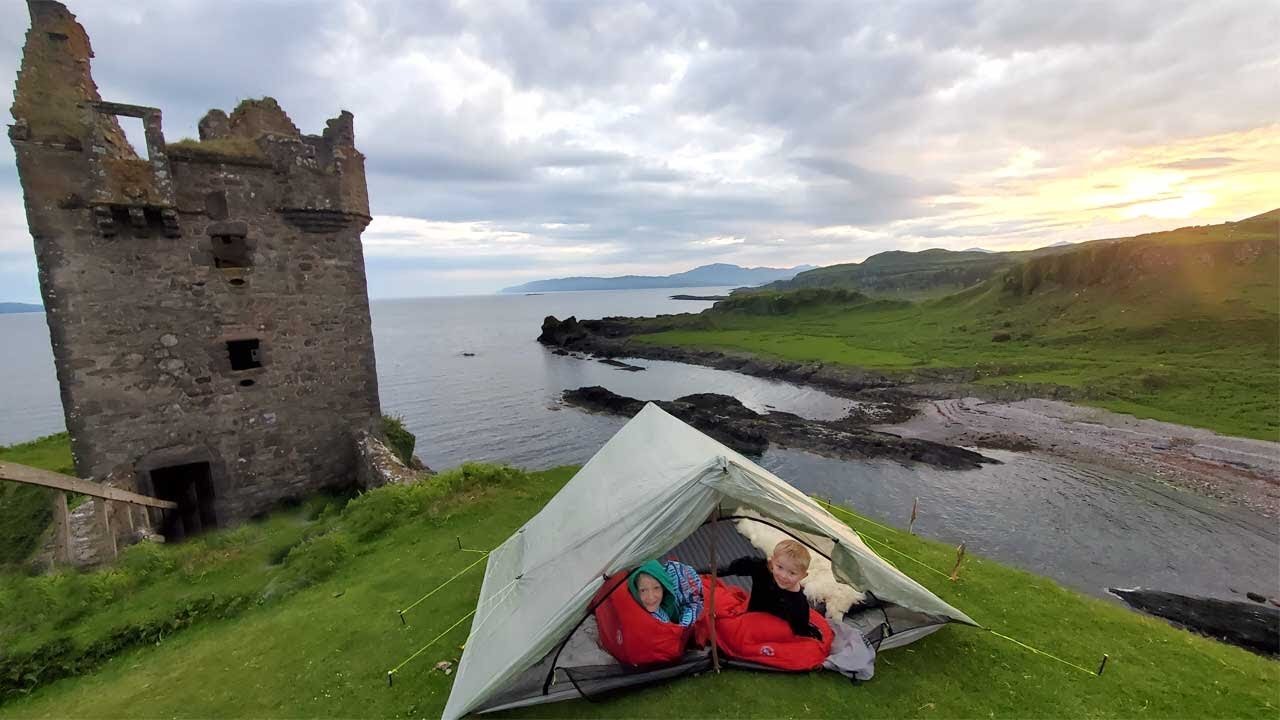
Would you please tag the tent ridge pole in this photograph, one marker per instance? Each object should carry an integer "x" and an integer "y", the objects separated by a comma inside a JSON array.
[{"x": 715, "y": 568}]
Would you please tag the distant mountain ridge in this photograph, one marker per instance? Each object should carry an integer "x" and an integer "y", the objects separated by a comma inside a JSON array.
[
  {"x": 17, "y": 307},
  {"x": 717, "y": 274}
]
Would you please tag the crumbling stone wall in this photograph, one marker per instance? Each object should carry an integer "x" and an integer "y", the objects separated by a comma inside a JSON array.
[
  {"x": 378, "y": 465},
  {"x": 206, "y": 300}
]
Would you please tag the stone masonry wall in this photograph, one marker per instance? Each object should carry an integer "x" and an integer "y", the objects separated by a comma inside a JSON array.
[{"x": 149, "y": 267}]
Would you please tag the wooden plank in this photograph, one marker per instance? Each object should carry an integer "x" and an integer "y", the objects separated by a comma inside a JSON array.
[
  {"x": 103, "y": 509},
  {"x": 62, "y": 538},
  {"x": 58, "y": 481}
]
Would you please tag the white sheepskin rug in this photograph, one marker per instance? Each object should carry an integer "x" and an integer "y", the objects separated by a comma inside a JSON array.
[{"x": 820, "y": 586}]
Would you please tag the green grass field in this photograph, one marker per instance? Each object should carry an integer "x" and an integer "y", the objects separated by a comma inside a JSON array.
[
  {"x": 1160, "y": 327},
  {"x": 26, "y": 510},
  {"x": 323, "y": 630}
]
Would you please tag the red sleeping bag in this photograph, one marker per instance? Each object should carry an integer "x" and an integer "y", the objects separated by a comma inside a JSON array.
[
  {"x": 630, "y": 634},
  {"x": 759, "y": 637}
]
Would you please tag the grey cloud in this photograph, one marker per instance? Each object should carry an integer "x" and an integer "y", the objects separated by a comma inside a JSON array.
[
  {"x": 865, "y": 110},
  {"x": 862, "y": 197},
  {"x": 375, "y": 264},
  {"x": 655, "y": 175},
  {"x": 570, "y": 158},
  {"x": 446, "y": 166},
  {"x": 858, "y": 175}
]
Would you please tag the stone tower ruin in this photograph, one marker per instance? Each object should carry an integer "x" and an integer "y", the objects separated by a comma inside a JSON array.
[{"x": 206, "y": 300}]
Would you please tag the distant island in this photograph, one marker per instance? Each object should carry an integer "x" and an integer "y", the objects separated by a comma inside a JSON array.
[
  {"x": 17, "y": 307},
  {"x": 718, "y": 274}
]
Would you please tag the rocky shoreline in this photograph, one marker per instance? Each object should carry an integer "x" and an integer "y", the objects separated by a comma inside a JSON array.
[
  {"x": 611, "y": 337},
  {"x": 726, "y": 419},
  {"x": 1253, "y": 626},
  {"x": 1238, "y": 471},
  {"x": 946, "y": 406}
]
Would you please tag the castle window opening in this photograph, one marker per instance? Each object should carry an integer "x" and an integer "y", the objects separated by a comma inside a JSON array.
[
  {"x": 135, "y": 133},
  {"x": 245, "y": 354},
  {"x": 191, "y": 487},
  {"x": 230, "y": 251}
]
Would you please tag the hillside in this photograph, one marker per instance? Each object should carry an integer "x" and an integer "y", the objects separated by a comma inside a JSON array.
[
  {"x": 718, "y": 274},
  {"x": 296, "y": 616},
  {"x": 937, "y": 272},
  {"x": 914, "y": 275},
  {"x": 1181, "y": 326}
]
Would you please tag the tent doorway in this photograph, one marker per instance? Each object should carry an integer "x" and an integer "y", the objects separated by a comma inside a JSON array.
[{"x": 191, "y": 487}]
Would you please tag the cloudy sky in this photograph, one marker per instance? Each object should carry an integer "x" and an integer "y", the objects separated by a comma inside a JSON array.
[{"x": 511, "y": 141}]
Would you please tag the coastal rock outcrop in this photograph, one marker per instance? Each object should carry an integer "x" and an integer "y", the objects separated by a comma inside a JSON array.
[
  {"x": 726, "y": 419},
  {"x": 377, "y": 465},
  {"x": 1248, "y": 625},
  {"x": 611, "y": 337}
]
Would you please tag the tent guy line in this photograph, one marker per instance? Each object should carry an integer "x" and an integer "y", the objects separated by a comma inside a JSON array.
[
  {"x": 1020, "y": 643},
  {"x": 836, "y": 508},
  {"x": 882, "y": 543},
  {"x": 498, "y": 595},
  {"x": 437, "y": 589},
  {"x": 393, "y": 671}
]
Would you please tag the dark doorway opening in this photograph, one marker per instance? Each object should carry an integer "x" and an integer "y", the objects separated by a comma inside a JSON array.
[
  {"x": 191, "y": 487},
  {"x": 244, "y": 354}
]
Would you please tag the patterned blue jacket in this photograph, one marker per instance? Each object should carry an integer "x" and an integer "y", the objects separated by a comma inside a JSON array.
[{"x": 688, "y": 591}]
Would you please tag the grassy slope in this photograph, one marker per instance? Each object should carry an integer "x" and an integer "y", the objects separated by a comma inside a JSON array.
[
  {"x": 324, "y": 651},
  {"x": 1184, "y": 342},
  {"x": 908, "y": 275},
  {"x": 25, "y": 510}
]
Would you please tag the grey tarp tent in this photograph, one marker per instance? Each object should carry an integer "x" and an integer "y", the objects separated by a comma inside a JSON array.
[{"x": 647, "y": 490}]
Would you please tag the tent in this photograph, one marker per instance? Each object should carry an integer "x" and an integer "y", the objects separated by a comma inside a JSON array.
[{"x": 658, "y": 485}]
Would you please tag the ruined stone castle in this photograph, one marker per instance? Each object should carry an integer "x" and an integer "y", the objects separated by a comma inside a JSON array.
[{"x": 206, "y": 300}]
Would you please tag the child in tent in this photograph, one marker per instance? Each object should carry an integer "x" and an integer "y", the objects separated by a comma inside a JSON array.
[
  {"x": 670, "y": 591},
  {"x": 775, "y": 585}
]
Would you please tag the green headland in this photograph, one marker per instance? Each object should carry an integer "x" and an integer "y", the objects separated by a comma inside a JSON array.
[{"x": 1181, "y": 326}]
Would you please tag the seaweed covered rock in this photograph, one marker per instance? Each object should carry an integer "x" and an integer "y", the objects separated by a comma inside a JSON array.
[{"x": 727, "y": 420}]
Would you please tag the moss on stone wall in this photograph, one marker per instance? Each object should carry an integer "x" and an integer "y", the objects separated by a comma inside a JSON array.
[{"x": 232, "y": 148}]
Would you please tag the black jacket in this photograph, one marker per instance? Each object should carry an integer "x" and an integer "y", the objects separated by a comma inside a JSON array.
[{"x": 766, "y": 596}]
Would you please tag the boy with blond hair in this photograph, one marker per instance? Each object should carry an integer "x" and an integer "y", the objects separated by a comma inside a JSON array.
[{"x": 775, "y": 585}]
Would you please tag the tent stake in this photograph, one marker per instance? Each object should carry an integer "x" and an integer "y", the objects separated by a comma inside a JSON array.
[
  {"x": 459, "y": 542},
  {"x": 911, "y": 527},
  {"x": 402, "y": 620},
  {"x": 955, "y": 571},
  {"x": 1103, "y": 666},
  {"x": 389, "y": 675}
]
